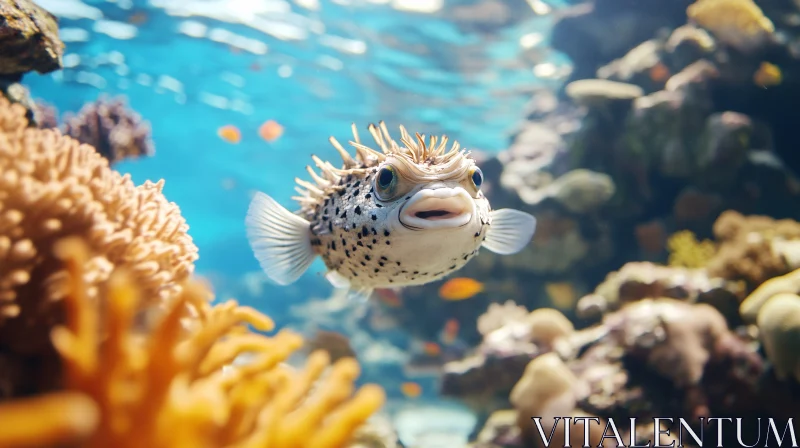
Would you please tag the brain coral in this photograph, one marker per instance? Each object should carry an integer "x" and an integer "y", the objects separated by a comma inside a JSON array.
[{"x": 52, "y": 187}]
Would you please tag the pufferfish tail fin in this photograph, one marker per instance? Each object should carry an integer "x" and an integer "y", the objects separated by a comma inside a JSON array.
[
  {"x": 281, "y": 240},
  {"x": 510, "y": 231}
]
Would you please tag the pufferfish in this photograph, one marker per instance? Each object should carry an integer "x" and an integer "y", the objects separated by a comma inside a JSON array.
[{"x": 407, "y": 215}]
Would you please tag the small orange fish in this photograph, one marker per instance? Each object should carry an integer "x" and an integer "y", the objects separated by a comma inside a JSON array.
[
  {"x": 450, "y": 331},
  {"x": 460, "y": 288},
  {"x": 767, "y": 75},
  {"x": 411, "y": 390},
  {"x": 389, "y": 297},
  {"x": 431, "y": 349},
  {"x": 659, "y": 72},
  {"x": 138, "y": 18},
  {"x": 230, "y": 133},
  {"x": 270, "y": 131}
]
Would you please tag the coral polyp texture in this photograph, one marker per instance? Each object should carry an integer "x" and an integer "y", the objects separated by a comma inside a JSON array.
[
  {"x": 107, "y": 341},
  {"x": 176, "y": 384},
  {"x": 52, "y": 187},
  {"x": 112, "y": 128}
]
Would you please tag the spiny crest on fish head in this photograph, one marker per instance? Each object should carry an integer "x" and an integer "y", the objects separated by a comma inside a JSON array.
[{"x": 415, "y": 160}]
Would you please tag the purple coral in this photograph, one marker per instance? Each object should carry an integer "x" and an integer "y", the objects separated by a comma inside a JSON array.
[{"x": 109, "y": 125}]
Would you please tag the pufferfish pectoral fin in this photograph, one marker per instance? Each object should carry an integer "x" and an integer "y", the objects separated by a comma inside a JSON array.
[
  {"x": 281, "y": 240},
  {"x": 510, "y": 231}
]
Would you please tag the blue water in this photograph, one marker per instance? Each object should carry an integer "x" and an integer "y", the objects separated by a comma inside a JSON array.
[{"x": 427, "y": 71}]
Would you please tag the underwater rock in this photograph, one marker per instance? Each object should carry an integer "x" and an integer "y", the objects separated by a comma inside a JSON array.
[
  {"x": 500, "y": 430},
  {"x": 583, "y": 32},
  {"x": 687, "y": 346},
  {"x": 639, "y": 280},
  {"x": 582, "y": 191},
  {"x": 688, "y": 44},
  {"x": 111, "y": 127},
  {"x": 511, "y": 338},
  {"x": 641, "y": 66},
  {"x": 723, "y": 147},
  {"x": 754, "y": 248},
  {"x": 28, "y": 39},
  {"x": 775, "y": 308},
  {"x": 738, "y": 23},
  {"x": 596, "y": 92}
]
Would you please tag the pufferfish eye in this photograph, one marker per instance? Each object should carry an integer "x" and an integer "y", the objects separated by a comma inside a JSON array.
[
  {"x": 386, "y": 181},
  {"x": 477, "y": 177}
]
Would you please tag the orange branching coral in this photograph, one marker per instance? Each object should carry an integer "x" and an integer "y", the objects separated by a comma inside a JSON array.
[
  {"x": 738, "y": 23},
  {"x": 750, "y": 247},
  {"x": 686, "y": 251},
  {"x": 161, "y": 389},
  {"x": 53, "y": 187}
]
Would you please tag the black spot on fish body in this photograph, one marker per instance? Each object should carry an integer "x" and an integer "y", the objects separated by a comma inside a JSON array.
[
  {"x": 367, "y": 196},
  {"x": 333, "y": 245},
  {"x": 347, "y": 253},
  {"x": 384, "y": 258},
  {"x": 358, "y": 210},
  {"x": 398, "y": 263},
  {"x": 369, "y": 246},
  {"x": 343, "y": 215},
  {"x": 386, "y": 232},
  {"x": 377, "y": 270},
  {"x": 374, "y": 217},
  {"x": 388, "y": 242},
  {"x": 363, "y": 264},
  {"x": 374, "y": 232},
  {"x": 416, "y": 272},
  {"x": 360, "y": 244},
  {"x": 330, "y": 226},
  {"x": 378, "y": 205},
  {"x": 367, "y": 257},
  {"x": 325, "y": 217},
  {"x": 364, "y": 231},
  {"x": 452, "y": 267},
  {"x": 357, "y": 184},
  {"x": 344, "y": 243},
  {"x": 337, "y": 211},
  {"x": 380, "y": 263}
]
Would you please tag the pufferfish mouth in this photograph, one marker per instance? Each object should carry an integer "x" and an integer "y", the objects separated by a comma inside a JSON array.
[{"x": 438, "y": 209}]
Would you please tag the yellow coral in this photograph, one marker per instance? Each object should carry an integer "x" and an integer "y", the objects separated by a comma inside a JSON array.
[
  {"x": 687, "y": 251},
  {"x": 52, "y": 187},
  {"x": 738, "y": 23},
  {"x": 164, "y": 389}
]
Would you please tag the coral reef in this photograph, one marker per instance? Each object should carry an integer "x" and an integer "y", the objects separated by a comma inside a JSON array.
[
  {"x": 28, "y": 42},
  {"x": 53, "y": 187},
  {"x": 674, "y": 117},
  {"x": 139, "y": 356},
  {"x": 112, "y": 128}
]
